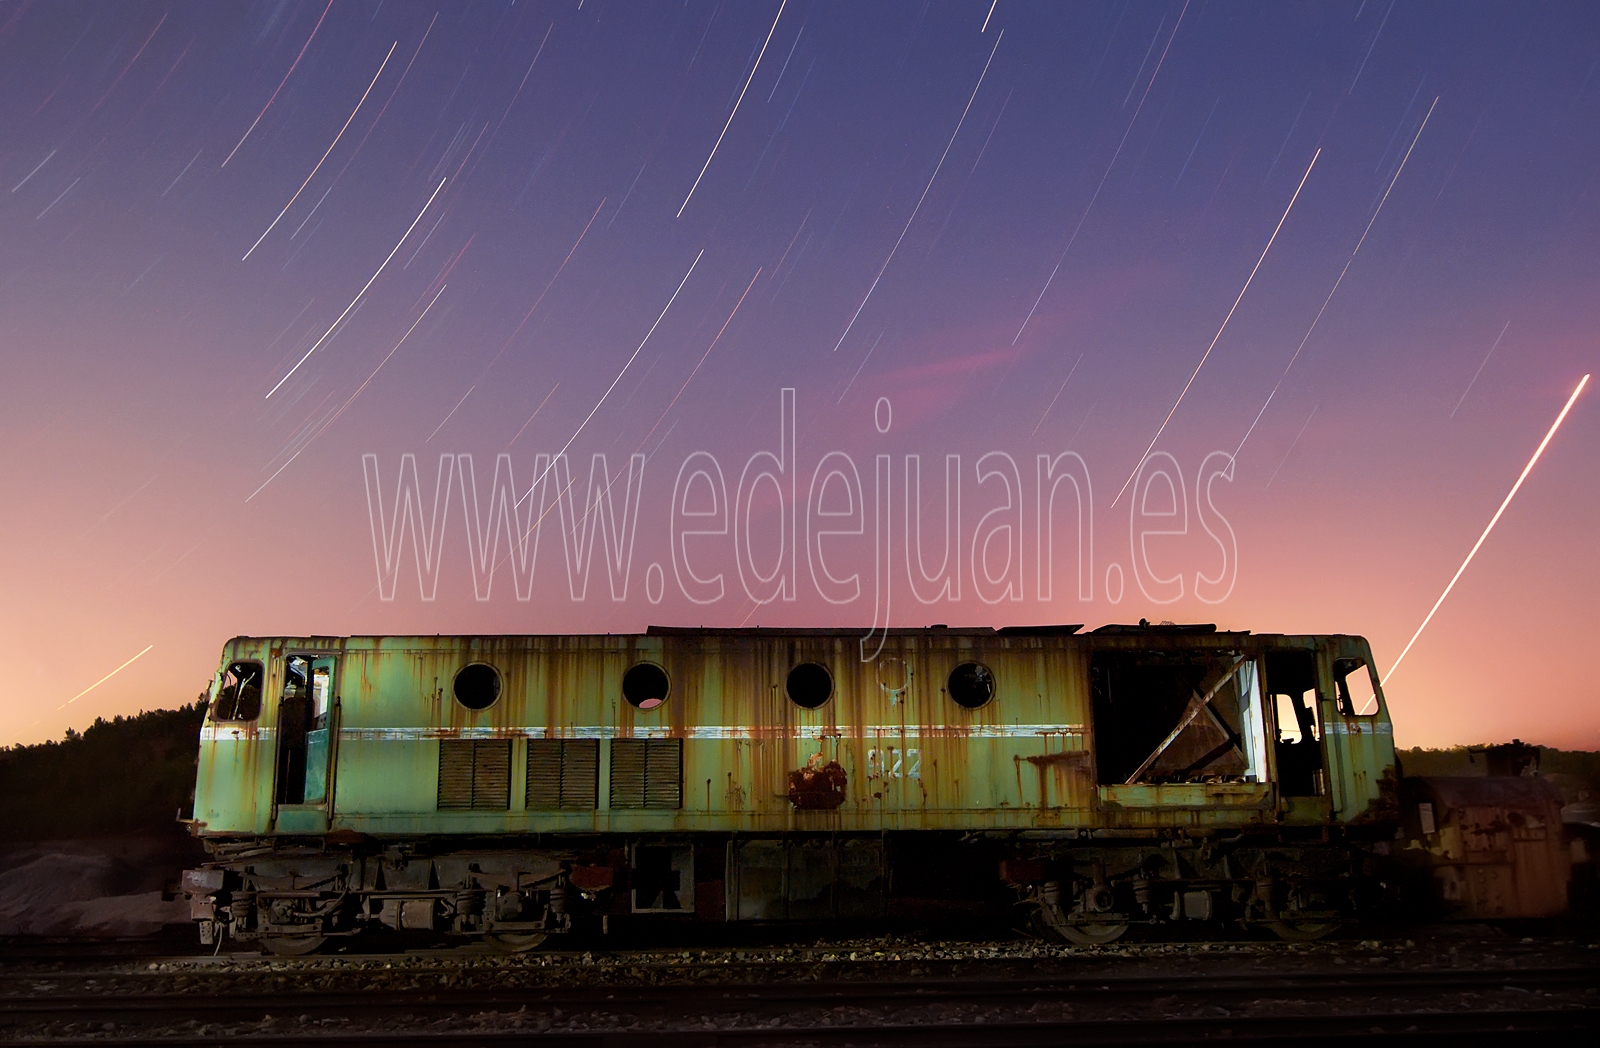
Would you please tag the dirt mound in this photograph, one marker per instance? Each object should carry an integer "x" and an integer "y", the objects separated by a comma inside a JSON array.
[{"x": 95, "y": 889}]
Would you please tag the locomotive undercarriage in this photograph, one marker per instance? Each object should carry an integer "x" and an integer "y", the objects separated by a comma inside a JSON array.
[
  {"x": 293, "y": 898},
  {"x": 1094, "y": 892}
]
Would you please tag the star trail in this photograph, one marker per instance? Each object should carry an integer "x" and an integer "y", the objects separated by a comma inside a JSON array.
[{"x": 243, "y": 246}]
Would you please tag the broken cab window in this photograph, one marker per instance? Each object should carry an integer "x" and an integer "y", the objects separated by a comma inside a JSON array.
[
  {"x": 1178, "y": 718},
  {"x": 238, "y": 693},
  {"x": 1356, "y": 687}
]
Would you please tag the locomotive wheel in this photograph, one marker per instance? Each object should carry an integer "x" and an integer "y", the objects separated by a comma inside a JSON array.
[
  {"x": 293, "y": 945},
  {"x": 1092, "y": 934},
  {"x": 514, "y": 942},
  {"x": 1097, "y": 934},
  {"x": 1302, "y": 931}
]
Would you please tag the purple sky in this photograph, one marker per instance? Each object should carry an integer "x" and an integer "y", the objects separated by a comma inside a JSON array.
[{"x": 1022, "y": 226}]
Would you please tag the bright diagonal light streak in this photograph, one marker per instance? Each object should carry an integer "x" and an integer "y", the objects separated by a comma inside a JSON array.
[
  {"x": 989, "y": 16},
  {"x": 35, "y": 171},
  {"x": 385, "y": 360},
  {"x": 1160, "y": 429},
  {"x": 335, "y": 417},
  {"x": 735, "y": 112},
  {"x": 614, "y": 381},
  {"x": 663, "y": 440},
  {"x": 1370, "y": 46},
  {"x": 1492, "y": 521},
  {"x": 1314, "y": 320},
  {"x": 676, "y": 395},
  {"x": 59, "y": 199},
  {"x": 453, "y": 411},
  {"x": 130, "y": 64},
  {"x": 924, "y": 195},
  {"x": 107, "y": 677},
  {"x": 1478, "y": 372},
  {"x": 518, "y": 93},
  {"x": 335, "y": 142},
  {"x": 861, "y": 366},
  {"x": 285, "y": 80},
  {"x": 398, "y": 84},
  {"x": 703, "y": 357},
  {"x": 1083, "y": 217},
  {"x": 559, "y": 270},
  {"x": 363, "y": 290},
  {"x": 1292, "y": 445},
  {"x": 1058, "y": 394},
  {"x": 1370, "y": 223},
  {"x": 535, "y": 414},
  {"x": 786, "y": 59}
]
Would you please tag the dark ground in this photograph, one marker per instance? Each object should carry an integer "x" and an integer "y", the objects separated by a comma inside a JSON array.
[{"x": 1547, "y": 980}]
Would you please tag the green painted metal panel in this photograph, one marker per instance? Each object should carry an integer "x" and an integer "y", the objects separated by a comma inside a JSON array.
[
  {"x": 233, "y": 781},
  {"x": 301, "y": 818},
  {"x": 1360, "y": 748},
  {"x": 317, "y": 744},
  {"x": 910, "y": 757},
  {"x": 386, "y": 776}
]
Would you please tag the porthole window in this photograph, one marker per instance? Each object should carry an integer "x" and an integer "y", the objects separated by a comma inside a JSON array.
[
  {"x": 645, "y": 686},
  {"x": 971, "y": 685},
  {"x": 477, "y": 686},
  {"x": 809, "y": 685}
]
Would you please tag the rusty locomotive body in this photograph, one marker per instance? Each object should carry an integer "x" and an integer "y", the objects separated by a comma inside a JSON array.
[{"x": 515, "y": 787}]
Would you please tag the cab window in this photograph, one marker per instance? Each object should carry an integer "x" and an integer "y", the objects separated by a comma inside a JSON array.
[
  {"x": 321, "y": 692},
  {"x": 1356, "y": 687},
  {"x": 238, "y": 693}
]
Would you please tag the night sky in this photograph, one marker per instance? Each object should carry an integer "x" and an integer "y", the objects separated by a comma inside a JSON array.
[{"x": 244, "y": 245}]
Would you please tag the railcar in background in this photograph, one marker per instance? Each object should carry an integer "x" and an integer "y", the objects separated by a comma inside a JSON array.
[{"x": 511, "y": 788}]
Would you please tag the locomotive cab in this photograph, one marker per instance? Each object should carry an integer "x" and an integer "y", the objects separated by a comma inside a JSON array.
[{"x": 1192, "y": 718}]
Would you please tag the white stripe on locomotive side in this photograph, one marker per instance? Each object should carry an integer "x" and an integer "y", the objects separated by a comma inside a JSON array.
[
  {"x": 1360, "y": 728},
  {"x": 722, "y": 732},
  {"x": 717, "y": 732}
]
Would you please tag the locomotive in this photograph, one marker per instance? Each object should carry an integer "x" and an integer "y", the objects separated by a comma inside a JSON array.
[{"x": 514, "y": 788}]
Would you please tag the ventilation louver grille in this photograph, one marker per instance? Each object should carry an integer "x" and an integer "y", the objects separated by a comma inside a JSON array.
[
  {"x": 563, "y": 774},
  {"x": 647, "y": 773},
  {"x": 474, "y": 774}
]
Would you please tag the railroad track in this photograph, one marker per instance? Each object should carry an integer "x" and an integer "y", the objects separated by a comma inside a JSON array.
[
  {"x": 1552, "y": 1028},
  {"x": 196, "y": 1002},
  {"x": 1300, "y": 1008}
]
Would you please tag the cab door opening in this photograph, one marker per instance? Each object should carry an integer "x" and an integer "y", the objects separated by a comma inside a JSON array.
[
  {"x": 1297, "y": 745},
  {"x": 304, "y": 738}
]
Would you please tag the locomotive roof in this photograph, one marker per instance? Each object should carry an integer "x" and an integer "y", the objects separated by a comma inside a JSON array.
[{"x": 1142, "y": 628}]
